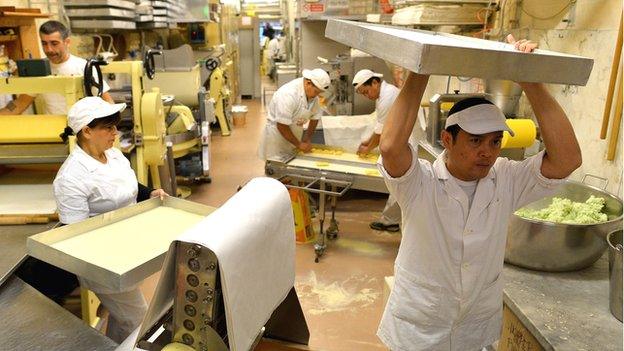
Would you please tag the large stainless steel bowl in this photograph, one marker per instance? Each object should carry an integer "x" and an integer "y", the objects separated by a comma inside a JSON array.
[{"x": 554, "y": 247}]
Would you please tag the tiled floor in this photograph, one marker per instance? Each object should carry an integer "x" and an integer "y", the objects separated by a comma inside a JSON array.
[{"x": 342, "y": 294}]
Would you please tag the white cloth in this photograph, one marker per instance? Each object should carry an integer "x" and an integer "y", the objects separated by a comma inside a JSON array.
[
  {"x": 347, "y": 132},
  {"x": 74, "y": 66},
  {"x": 387, "y": 94},
  {"x": 448, "y": 288},
  {"x": 255, "y": 247},
  {"x": 288, "y": 106}
]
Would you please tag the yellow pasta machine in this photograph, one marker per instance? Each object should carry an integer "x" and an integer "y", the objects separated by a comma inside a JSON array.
[{"x": 35, "y": 139}]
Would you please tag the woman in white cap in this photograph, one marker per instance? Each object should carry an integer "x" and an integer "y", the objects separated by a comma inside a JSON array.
[
  {"x": 371, "y": 85},
  {"x": 292, "y": 106},
  {"x": 94, "y": 179}
]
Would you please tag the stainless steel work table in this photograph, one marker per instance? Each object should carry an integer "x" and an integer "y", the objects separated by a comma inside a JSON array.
[
  {"x": 30, "y": 320},
  {"x": 565, "y": 311},
  {"x": 13, "y": 244}
]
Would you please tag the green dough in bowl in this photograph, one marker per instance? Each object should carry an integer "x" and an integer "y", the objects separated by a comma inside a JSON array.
[{"x": 563, "y": 210}]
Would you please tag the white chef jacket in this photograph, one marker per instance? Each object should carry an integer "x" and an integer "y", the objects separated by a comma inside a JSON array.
[
  {"x": 55, "y": 103},
  {"x": 85, "y": 187},
  {"x": 289, "y": 106},
  {"x": 274, "y": 48},
  {"x": 387, "y": 94},
  {"x": 448, "y": 289}
]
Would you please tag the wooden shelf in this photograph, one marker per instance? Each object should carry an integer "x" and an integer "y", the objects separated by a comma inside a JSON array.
[
  {"x": 24, "y": 14},
  {"x": 5, "y": 38}
]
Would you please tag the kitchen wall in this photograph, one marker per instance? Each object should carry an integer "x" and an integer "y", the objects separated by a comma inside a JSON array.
[{"x": 587, "y": 28}]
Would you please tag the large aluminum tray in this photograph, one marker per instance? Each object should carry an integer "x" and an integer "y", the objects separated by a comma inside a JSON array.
[
  {"x": 446, "y": 54},
  {"x": 122, "y": 4},
  {"x": 132, "y": 259},
  {"x": 102, "y": 24},
  {"x": 101, "y": 13},
  {"x": 148, "y": 25}
]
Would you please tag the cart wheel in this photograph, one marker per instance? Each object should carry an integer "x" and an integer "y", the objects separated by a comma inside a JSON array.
[
  {"x": 332, "y": 231},
  {"x": 316, "y": 260}
]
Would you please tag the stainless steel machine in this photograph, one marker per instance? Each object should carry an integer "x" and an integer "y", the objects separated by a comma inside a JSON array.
[
  {"x": 197, "y": 317},
  {"x": 340, "y": 69}
]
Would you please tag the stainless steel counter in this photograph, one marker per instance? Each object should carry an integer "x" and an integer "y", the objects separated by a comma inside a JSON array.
[
  {"x": 13, "y": 245},
  {"x": 30, "y": 320},
  {"x": 565, "y": 311}
]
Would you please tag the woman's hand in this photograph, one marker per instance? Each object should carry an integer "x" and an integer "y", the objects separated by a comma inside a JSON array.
[{"x": 158, "y": 193}]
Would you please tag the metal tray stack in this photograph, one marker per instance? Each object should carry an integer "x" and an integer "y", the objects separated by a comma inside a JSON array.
[
  {"x": 177, "y": 10},
  {"x": 144, "y": 13},
  {"x": 101, "y": 14},
  {"x": 164, "y": 13}
]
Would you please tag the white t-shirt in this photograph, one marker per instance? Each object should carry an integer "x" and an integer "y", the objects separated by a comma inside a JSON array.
[
  {"x": 468, "y": 187},
  {"x": 74, "y": 66}
]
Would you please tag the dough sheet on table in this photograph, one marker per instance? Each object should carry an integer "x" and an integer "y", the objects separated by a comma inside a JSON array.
[
  {"x": 336, "y": 167},
  {"x": 122, "y": 246}
]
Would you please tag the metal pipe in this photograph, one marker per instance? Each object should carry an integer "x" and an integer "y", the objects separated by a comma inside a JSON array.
[{"x": 172, "y": 174}]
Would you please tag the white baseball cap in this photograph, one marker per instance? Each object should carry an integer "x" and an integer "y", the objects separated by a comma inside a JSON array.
[
  {"x": 318, "y": 76},
  {"x": 363, "y": 75},
  {"x": 480, "y": 119},
  {"x": 89, "y": 108}
]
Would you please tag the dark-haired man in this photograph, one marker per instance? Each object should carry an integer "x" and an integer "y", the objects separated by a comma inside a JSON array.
[
  {"x": 55, "y": 42},
  {"x": 447, "y": 293},
  {"x": 371, "y": 85}
]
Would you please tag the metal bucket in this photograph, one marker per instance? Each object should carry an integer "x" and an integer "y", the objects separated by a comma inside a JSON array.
[
  {"x": 558, "y": 247},
  {"x": 614, "y": 239}
]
